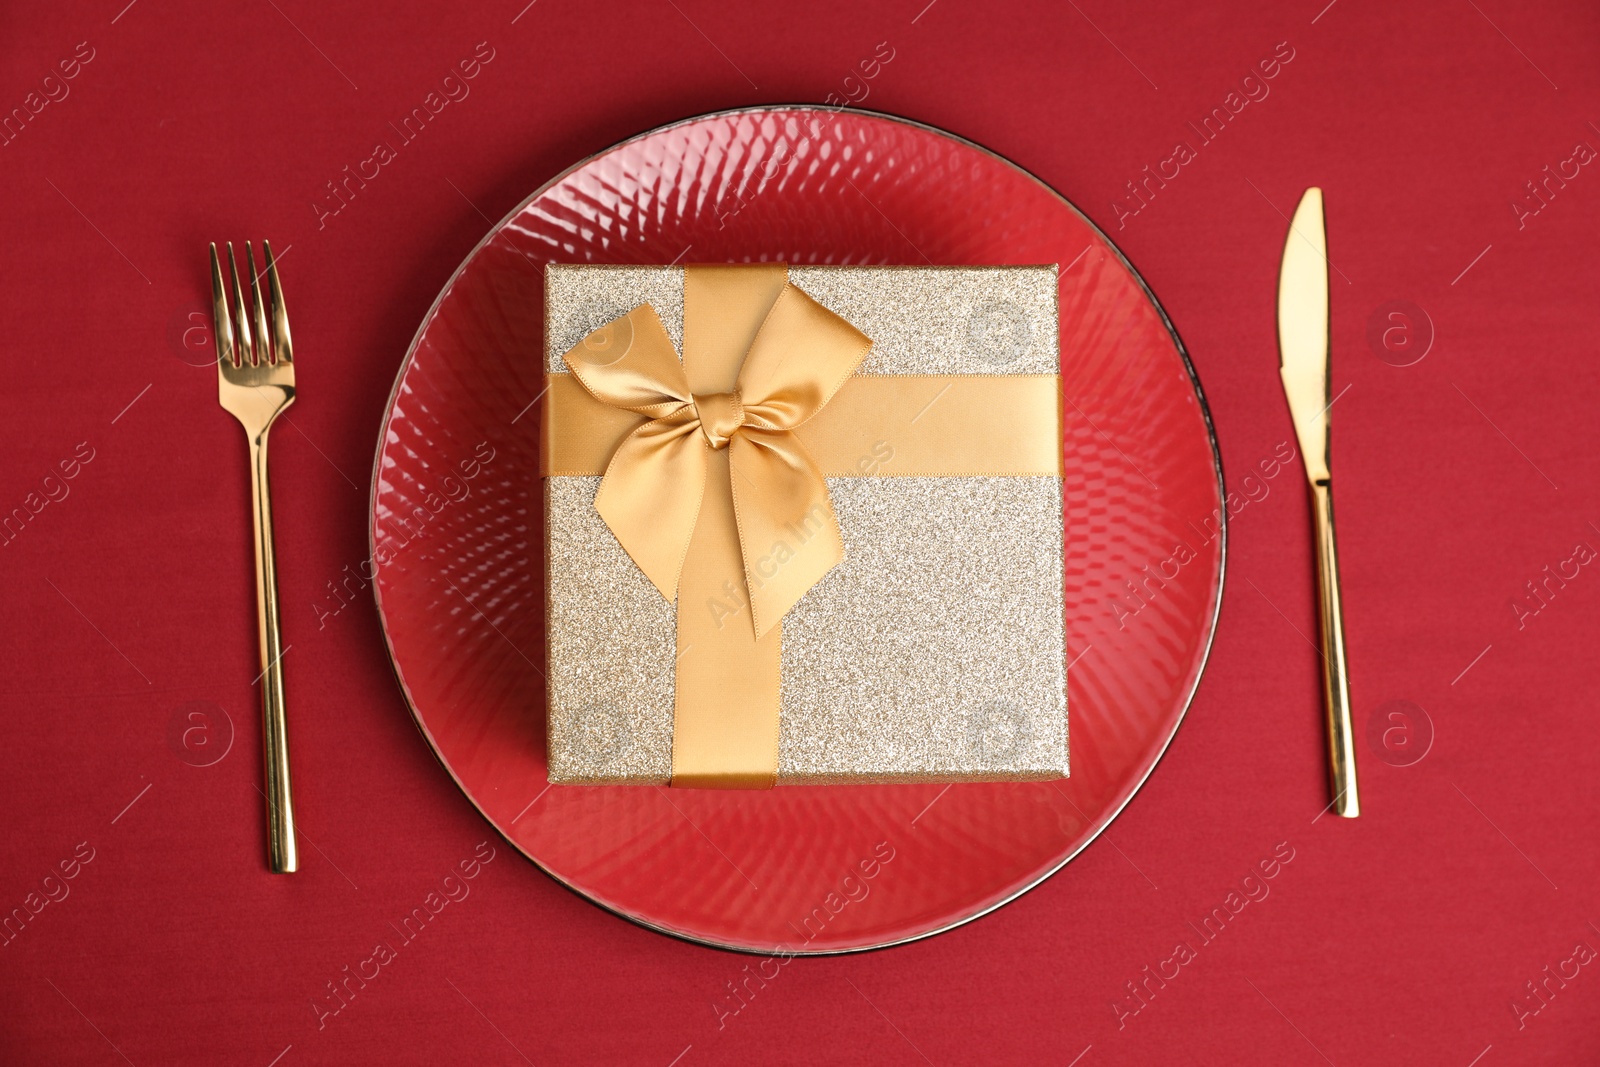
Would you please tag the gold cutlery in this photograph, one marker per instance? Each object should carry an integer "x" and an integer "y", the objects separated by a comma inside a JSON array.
[
  {"x": 255, "y": 383},
  {"x": 1303, "y": 343}
]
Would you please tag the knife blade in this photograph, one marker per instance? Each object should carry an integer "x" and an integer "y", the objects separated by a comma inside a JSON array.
[
  {"x": 1303, "y": 344},
  {"x": 1303, "y": 330}
]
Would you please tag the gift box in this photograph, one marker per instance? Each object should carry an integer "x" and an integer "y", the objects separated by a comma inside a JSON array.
[{"x": 804, "y": 525}]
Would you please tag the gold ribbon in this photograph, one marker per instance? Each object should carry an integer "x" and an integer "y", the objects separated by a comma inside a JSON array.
[{"x": 711, "y": 486}]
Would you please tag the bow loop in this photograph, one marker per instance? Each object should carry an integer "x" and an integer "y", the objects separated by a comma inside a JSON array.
[
  {"x": 800, "y": 357},
  {"x": 630, "y": 363}
]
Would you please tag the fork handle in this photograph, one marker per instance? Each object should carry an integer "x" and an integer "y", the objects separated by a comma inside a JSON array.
[
  {"x": 283, "y": 856},
  {"x": 1335, "y": 677}
]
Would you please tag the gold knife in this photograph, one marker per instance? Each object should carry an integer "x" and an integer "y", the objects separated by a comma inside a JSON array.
[{"x": 1303, "y": 347}]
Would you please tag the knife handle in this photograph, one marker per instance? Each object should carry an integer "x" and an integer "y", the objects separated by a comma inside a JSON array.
[{"x": 1335, "y": 678}]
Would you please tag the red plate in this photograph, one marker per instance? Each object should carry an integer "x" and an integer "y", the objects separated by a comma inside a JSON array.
[{"x": 457, "y": 534}]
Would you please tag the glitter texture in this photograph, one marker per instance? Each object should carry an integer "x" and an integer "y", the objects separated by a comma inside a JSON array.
[
  {"x": 952, "y": 320},
  {"x": 578, "y": 300},
  {"x": 613, "y": 641},
  {"x": 934, "y": 652}
]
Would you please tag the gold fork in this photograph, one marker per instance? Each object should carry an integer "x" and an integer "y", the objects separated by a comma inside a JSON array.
[{"x": 255, "y": 383}]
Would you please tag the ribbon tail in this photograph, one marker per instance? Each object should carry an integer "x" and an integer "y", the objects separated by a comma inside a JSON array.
[
  {"x": 651, "y": 494},
  {"x": 788, "y": 532}
]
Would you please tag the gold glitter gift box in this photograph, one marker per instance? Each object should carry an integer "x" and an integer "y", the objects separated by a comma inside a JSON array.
[{"x": 934, "y": 651}]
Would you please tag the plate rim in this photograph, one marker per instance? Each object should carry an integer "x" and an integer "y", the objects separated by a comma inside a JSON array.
[{"x": 1194, "y": 382}]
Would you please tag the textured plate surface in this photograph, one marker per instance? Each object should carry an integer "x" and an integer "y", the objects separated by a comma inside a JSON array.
[{"x": 459, "y": 558}]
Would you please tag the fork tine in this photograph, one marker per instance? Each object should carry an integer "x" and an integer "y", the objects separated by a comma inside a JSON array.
[
  {"x": 221, "y": 322},
  {"x": 281, "y": 344},
  {"x": 247, "y": 348},
  {"x": 263, "y": 340}
]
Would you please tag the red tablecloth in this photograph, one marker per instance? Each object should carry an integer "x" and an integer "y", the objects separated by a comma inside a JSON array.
[{"x": 1454, "y": 923}]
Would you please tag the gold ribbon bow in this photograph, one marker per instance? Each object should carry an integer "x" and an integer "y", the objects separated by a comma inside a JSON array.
[
  {"x": 655, "y": 485},
  {"x": 714, "y": 473}
]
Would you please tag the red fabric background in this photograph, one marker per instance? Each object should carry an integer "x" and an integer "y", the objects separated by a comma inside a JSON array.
[{"x": 1401, "y": 938}]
